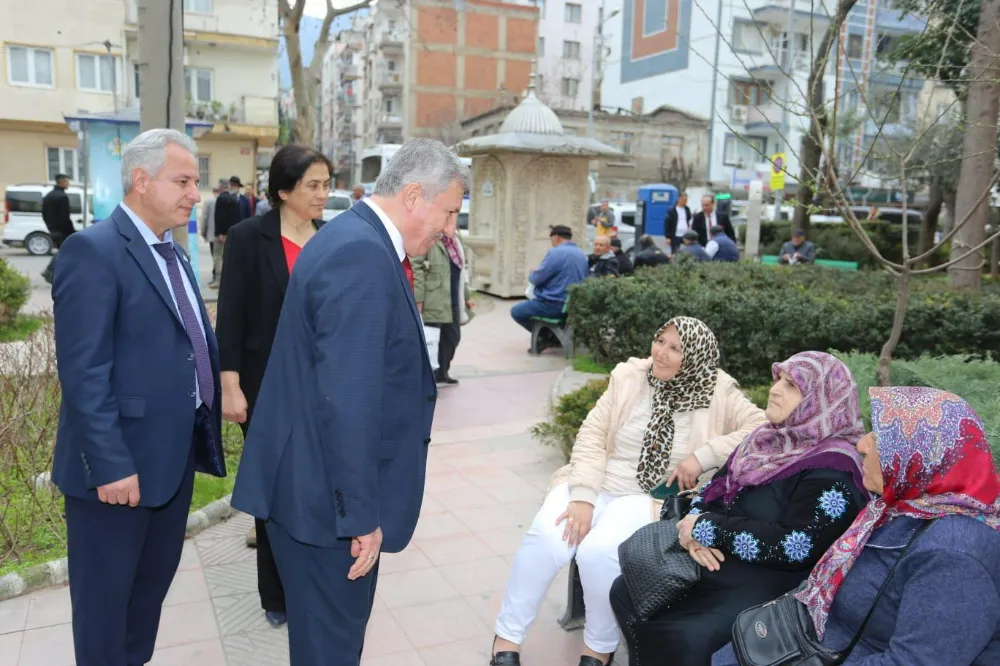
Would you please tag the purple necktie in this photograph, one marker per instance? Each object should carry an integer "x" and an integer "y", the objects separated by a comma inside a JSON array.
[{"x": 202, "y": 363}]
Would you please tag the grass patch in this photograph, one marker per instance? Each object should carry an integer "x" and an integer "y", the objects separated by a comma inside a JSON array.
[
  {"x": 22, "y": 328},
  {"x": 586, "y": 363}
]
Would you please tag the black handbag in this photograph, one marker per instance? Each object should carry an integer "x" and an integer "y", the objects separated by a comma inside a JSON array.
[
  {"x": 658, "y": 572},
  {"x": 675, "y": 507},
  {"x": 781, "y": 632}
]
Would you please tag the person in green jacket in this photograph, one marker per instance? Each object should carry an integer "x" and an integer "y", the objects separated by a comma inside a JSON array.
[{"x": 440, "y": 287}]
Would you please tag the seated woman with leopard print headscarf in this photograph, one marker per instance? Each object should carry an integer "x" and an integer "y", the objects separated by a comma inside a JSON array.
[
  {"x": 663, "y": 422},
  {"x": 786, "y": 493}
]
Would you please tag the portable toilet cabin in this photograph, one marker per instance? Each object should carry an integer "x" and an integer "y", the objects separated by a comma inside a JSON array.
[{"x": 651, "y": 208}]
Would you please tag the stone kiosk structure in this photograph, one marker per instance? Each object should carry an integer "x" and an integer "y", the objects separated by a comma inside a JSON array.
[{"x": 529, "y": 176}]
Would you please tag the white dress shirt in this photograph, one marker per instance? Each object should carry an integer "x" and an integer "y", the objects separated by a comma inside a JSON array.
[
  {"x": 151, "y": 240},
  {"x": 394, "y": 235},
  {"x": 682, "y": 221}
]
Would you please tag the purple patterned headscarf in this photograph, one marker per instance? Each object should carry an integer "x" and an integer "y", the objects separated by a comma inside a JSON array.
[{"x": 822, "y": 432}]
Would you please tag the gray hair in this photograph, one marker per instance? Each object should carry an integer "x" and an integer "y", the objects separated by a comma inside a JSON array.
[
  {"x": 148, "y": 152},
  {"x": 426, "y": 162}
]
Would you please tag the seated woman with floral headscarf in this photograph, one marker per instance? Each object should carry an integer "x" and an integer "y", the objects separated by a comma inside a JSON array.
[
  {"x": 671, "y": 416},
  {"x": 927, "y": 457},
  {"x": 787, "y": 492}
]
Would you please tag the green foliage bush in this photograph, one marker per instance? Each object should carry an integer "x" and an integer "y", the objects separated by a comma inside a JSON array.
[
  {"x": 14, "y": 291},
  {"x": 762, "y": 314},
  {"x": 838, "y": 241}
]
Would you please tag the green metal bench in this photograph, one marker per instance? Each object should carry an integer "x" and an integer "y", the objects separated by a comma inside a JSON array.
[
  {"x": 773, "y": 260},
  {"x": 558, "y": 328}
]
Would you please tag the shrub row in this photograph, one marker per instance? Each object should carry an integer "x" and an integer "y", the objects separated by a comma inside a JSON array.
[
  {"x": 838, "y": 241},
  {"x": 14, "y": 291},
  {"x": 763, "y": 314}
]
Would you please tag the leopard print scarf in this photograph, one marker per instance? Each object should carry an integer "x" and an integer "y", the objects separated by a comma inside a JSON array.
[{"x": 690, "y": 389}]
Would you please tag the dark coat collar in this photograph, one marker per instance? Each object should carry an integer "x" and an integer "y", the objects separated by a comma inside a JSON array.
[{"x": 270, "y": 230}]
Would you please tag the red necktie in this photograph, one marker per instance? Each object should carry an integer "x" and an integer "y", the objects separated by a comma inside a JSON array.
[{"x": 408, "y": 269}]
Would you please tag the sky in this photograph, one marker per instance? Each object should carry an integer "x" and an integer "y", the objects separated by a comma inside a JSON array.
[
  {"x": 309, "y": 31},
  {"x": 318, "y": 7}
]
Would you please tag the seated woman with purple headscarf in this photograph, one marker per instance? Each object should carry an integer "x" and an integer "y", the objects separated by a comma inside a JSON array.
[{"x": 787, "y": 492}]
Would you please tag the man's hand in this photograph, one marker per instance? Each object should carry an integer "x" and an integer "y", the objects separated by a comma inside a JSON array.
[
  {"x": 579, "y": 517},
  {"x": 687, "y": 473},
  {"x": 221, "y": 238},
  {"x": 366, "y": 550},
  {"x": 420, "y": 307},
  {"x": 122, "y": 492},
  {"x": 469, "y": 305},
  {"x": 234, "y": 404}
]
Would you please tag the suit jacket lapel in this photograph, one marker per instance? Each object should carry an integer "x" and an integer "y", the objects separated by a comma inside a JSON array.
[
  {"x": 143, "y": 255},
  {"x": 270, "y": 229}
]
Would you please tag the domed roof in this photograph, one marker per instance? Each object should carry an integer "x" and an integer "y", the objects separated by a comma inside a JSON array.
[{"x": 532, "y": 116}]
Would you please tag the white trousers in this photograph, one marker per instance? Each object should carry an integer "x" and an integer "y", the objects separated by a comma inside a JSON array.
[{"x": 543, "y": 553}]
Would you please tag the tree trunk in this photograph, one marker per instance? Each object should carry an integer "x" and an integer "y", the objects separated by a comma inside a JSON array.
[
  {"x": 978, "y": 152},
  {"x": 930, "y": 222},
  {"x": 902, "y": 299}
]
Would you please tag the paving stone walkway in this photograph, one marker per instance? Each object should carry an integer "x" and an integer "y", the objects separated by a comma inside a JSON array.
[{"x": 437, "y": 600}]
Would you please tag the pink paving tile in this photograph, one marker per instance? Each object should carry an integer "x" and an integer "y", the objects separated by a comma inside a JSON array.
[
  {"x": 447, "y": 481},
  {"x": 470, "y": 652},
  {"x": 440, "y": 622},
  {"x": 429, "y": 506},
  {"x": 439, "y": 525},
  {"x": 49, "y": 607},
  {"x": 494, "y": 400},
  {"x": 478, "y": 576},
  {"x": 454, "y": 548},
  {"x": 205, "y": 653},
  {"x": 188, "y": 586},
  {"x": 410, "y": 588},
  {"x": 487, "y": 606},
  {"x": 467, "y": 498},
  {"x": 461, "y": 463},
  {"x": 181, "y": 624},
  {"x": 489, "y": 518},
  {"x": 489, "y": 475},
  {"x": 515, "y": 491},
  {"x": 396, "y": 659},
  {"x": 10, "y": 649},
  {"x": 48, "y": 646},
  {"x": 504, "y": 541},
  {"x": 189, "y": 557},
  {"x": 548, "y": 643},
  {"x": 461, "y": 451},
  {"x": 524, "y": 511},
  {"x": 14, "y": 614},
  {"x": 384, "y": 636},
  {"x": 408, "y": 560}
]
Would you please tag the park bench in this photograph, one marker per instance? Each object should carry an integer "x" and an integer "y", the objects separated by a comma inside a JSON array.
[
  {"x": 557, "y": 326},
  {"x": 772, "y": 260}
]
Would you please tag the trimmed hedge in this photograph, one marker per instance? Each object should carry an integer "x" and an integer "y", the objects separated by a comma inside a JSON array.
[
  {"x": 761, "y": 314},
  {"x": 15, "y": 289},
  {"x": 837, "y": 241}
]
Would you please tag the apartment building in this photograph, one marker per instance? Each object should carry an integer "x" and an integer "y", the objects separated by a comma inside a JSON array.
[
  {"x": 567, "y": 38},
  {"x": 343, "y": 88},
  {"x": 65, "y": 58},
  {"x": 664, "y": 53},
  {"x": 430, "y": 63}
]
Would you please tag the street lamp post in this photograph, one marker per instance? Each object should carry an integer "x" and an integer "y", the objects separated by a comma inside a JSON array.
[{"x": 596, "y": 63}]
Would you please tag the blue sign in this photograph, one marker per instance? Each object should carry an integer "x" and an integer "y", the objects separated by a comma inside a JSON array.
[{"x": 105, "y": 142}]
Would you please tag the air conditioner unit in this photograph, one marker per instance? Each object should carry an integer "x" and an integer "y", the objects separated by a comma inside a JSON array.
[{"x": 738, "y": 114}]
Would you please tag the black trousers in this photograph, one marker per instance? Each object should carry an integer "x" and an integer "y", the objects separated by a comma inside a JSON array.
[
  {"x": 269, "y": 587},
  {"x": 451, "y": 335}
]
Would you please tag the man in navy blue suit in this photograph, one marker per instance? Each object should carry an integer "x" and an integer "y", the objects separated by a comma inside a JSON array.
[
  {"x": 141, "y": 404},
  {"x": 335, "y": 458}
]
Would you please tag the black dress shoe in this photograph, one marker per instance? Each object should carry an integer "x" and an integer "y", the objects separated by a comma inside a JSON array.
[
  {"x": 594, "y": 661},
  {"x": 504, "y": 658}
]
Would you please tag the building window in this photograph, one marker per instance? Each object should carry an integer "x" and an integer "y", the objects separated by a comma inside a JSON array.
[
  {"x": 571, "y": 50},
  {"x": 198, "y": 6},
  {"x": 622, "y": 141},
  {"x": 63, "y": 160},
  {"x": 743, "y": 151},
  {"x": 541, "y": 46},
  {"x": 205, "y": 170},
  {"x": 28, "y": 66},
  {"x": 97, "y": 73},
  {"x": 198, "y": 84},
  {"x": 749, "y": 93},
  {"x": 747, "y": 37},
  {"x": 570, "y": 87},
  {"x": 574, "y": 13},
  {"x": 390, "y": 65},
  {"x": 855, "y": 46},
  {"x": 135, "y": 79},
  {"x": 671, "y": 148}
]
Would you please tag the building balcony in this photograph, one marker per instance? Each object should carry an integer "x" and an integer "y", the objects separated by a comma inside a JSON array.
[
  {"x": 391, "y": 40},
  {"x": 249, "y": 110},
  {"x": 389, "y": 121},
  {"x": 807, "y": 16},
  {"x": 349, "y": 73},
  {"x": 764, "y": 116},
  {"x": 387, "y": 79}
]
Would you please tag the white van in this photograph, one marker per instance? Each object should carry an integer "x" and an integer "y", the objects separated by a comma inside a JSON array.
[
  {"x": 23, "y": 224},
  {"x": 338, "y": 202}
]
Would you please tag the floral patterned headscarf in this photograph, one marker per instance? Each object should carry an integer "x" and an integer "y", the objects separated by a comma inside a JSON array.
[
  {"x": 935, "y": 462},
  {"x": 691, "y": 388},
  {"x": 822, "y": 432}
]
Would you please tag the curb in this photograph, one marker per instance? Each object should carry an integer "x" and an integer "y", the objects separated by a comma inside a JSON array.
[
  {"x": 569, "y": 380},
  {"x": 56, "y": 572}
]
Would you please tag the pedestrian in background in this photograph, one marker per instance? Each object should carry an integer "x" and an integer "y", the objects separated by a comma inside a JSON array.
[{"x": 56, "y": 215}]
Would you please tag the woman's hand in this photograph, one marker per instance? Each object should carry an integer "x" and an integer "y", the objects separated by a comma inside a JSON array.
[
  {"x": 686, "y": 473},
  {"x": 710, "y": 558},
  {"x": 684, "y": 528},
  {"x": 578, "y": 516},
  {"x": 234, "y": 404}
]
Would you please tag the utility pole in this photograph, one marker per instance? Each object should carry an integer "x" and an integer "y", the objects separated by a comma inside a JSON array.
[
  {"x": 779, "y": 196},
  {"x": 598, "y": 45},
  {"x": 715, "y": 85},
  {"x": 161, "y": 72}
]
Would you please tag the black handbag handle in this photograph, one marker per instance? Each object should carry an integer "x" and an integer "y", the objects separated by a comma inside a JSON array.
[{"x": 888, "y": 579}]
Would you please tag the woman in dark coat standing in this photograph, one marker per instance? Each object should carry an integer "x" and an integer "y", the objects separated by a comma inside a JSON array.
[
  {"x": 260, "y": 254},
  {"x": 786, "y": 493}
]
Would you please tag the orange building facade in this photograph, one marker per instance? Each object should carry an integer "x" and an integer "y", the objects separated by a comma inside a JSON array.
[{"x": 462, "y": 63}]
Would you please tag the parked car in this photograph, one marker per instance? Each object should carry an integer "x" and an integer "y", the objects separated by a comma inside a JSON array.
[
  {"x": 23, "y": 223},
  {"x": 624, "y": 228},
  {"x": 337, "y": 203}
]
